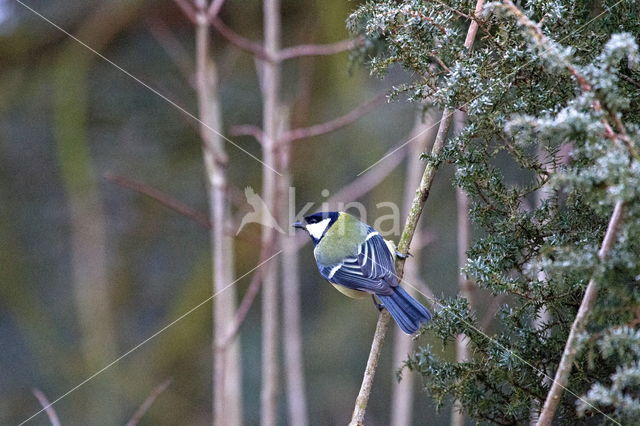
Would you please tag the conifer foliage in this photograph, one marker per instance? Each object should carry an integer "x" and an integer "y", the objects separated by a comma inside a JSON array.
[{"x": 551, "y": 89}]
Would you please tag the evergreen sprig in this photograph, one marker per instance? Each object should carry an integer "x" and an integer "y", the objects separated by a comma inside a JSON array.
[{"x": 528, "y": 111}]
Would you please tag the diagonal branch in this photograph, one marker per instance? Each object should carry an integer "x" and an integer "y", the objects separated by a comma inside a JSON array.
[
  {"x": 248, "y": 130},
  {"x": 570, "y": 351},
  {"x": 187, "y": 8},
  {"x": 561, "y": 378},
  {"x": 161, "y": 197},
  {"x": 415, "y": 211},
  {"x": 239, "y": 41},
  {"x": 293, "y": 52},
  {"x": 319, "y": 49},
  {"x": 317, "y": 129},
  {"x": 148, "y": 402},
  {"x": 336, "y": 123},
  {"x": 417, "y": 205},
  {"x": 47, "y": 407},
  {"x": 214, "y": 9},
  {"x": 243, "y": 309}
]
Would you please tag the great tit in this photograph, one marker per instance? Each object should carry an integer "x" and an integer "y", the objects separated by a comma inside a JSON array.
[{"x": 353, "y": 257}]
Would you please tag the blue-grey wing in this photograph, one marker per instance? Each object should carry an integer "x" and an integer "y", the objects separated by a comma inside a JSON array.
[
  {"x": 376, "y": 261},
  {"x": 372, "y": 270}
]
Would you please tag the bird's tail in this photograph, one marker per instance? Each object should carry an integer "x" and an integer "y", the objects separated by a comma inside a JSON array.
[{"x": 408, "y": 313}]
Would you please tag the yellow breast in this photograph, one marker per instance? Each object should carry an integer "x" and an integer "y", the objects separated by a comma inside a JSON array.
[{"x": 354, "y": 294}]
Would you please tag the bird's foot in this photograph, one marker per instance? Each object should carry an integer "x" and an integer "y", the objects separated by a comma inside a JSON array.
[
  {"x": 403, "y": 255},
  {"x": 379, "y": 306}
]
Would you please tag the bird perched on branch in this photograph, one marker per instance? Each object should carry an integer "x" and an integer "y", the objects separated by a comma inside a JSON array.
[{"x": 353, "y": 257}]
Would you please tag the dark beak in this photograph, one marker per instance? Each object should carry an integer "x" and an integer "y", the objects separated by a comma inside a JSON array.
[{"x": 298, "y": 225}]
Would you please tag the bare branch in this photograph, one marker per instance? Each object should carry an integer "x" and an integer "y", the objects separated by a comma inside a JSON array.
[
  {"x": 239, "y": 41},
  {"x": 370, "y": 371},
  {"x": 214, "y": 9},
  {"x": 243, "y": 309},
  {"x": 440, "y": 62},
  {"x": 422, "y": 193},
  {"x": 272, "y": 123},
  {"x": 161, "y": 197},
  {"x": 142, "y": 410},
  {"x": 561, "y": 378},
  {"x": 402, "y": 392},
  {"x": 187, "y": 8},
  {"x": 336, "y": 123},
  {"x": 473, "y": 27},
  {"x": 319, "y": 49},
  {"x": 47, "y": 406},
  {"x": 248, "y": 130},
  {"x": 417, "y": 205}
]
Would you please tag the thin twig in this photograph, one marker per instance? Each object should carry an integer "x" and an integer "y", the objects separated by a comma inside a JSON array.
[
  {"x": 243, "y": 309},
  {"x": 214, "y": 9},
  {"x": 259, "y": 52},
  {"x": 336, "y": 123},
  {"x": 417, "y": 205},
  {"x": 47, "y": 406},
  {"x": 561, "y": 378},
  {"x": 161, "y": 197},
  {"x": 319, "y": 49},
  {"x": 402, "y": 391},
  {"x": 187, "y": 8},
  {"x": 226, "y": 371},
  {"x": 239, "y": 41},
  {"x": 248, "y": 130},
  {"x": 473, "y": 27},
  {"x": 142, "y": 410}
]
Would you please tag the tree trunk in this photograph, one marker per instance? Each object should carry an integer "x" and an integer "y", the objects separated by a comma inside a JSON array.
[
  {"x": 227, "y": 375},
  {"x": 270, "y": 240}
]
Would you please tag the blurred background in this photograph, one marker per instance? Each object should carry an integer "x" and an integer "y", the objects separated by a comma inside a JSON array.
[{"x": 89, "y": 269}]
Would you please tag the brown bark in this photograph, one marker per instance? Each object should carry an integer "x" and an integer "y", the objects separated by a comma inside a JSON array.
[{"x": 402, "y": 392}]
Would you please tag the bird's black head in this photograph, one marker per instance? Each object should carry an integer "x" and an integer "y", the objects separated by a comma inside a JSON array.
[{"x": 317, "y": 224}]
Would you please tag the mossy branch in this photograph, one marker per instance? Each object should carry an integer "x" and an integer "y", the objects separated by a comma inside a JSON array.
[
  {"x": 422, "y": 193},
  {"x": 415, "y": 211}
]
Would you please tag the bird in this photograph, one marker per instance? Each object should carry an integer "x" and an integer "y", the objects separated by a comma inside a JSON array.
[{"x": 355, "y": 258}]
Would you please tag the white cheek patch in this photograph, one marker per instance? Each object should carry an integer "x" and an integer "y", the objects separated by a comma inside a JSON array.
[{"x": 317, "y": 229}]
